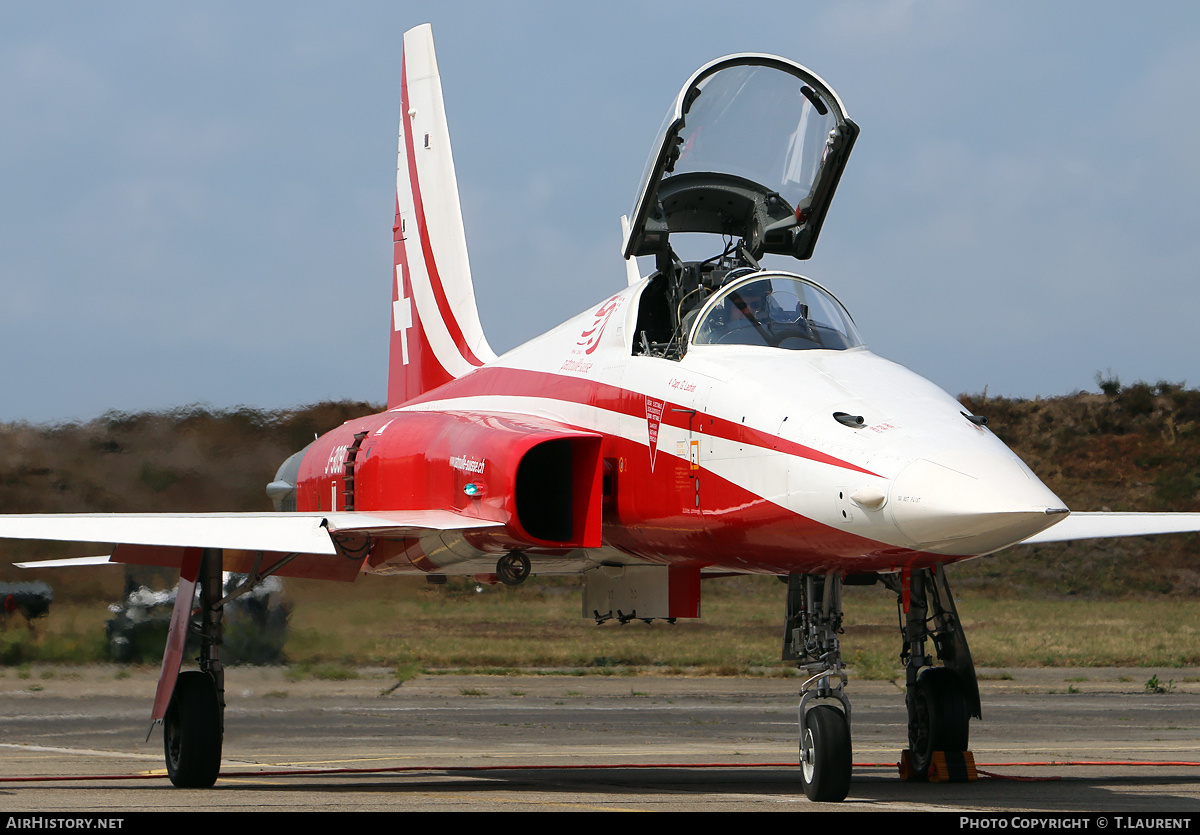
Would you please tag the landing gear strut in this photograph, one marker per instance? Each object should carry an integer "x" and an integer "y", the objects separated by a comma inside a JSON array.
[
  {"x": 814, "y": 620},
  {"x": 940, "y": 700},
  {"x": 194, "y": 724}
]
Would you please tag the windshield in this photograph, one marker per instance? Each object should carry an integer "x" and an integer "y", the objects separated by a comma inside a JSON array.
[{"x": 777, "y": 312}]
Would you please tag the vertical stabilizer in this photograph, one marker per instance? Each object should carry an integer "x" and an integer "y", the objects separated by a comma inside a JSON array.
[{"x": 436, "y": 335}]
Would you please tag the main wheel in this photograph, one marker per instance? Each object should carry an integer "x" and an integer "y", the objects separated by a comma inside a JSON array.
[
  {"x": 825, "y": 754},
  {"x": 938, "y": 717},
  {"x": 192, "y": 732},
  {"x": 513, "y": 568}
]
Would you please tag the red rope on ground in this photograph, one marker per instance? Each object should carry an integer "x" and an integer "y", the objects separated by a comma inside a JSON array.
[
  {"x": 1177, "y": 764},
  {"x": 414, "y": 769}
]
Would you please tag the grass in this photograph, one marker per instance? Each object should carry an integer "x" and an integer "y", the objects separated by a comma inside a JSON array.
[
  {"x": 325, "y": 671},
  {"x": 1156, "y": 686},
  {"x": 1005, "y": 675},
  {"x": 538, "y": 626},
  {"x": 412, "y": 628}
]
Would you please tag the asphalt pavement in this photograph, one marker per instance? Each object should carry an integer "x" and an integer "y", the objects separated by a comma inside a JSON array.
[{"x": 1050, "y": 740}]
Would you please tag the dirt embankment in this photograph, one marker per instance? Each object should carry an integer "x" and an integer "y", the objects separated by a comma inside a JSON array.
[{"x": 1128, "y": 448}]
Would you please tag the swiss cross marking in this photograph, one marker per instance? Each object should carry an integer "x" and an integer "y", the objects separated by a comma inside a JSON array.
[{"x": 402, "y": 313}]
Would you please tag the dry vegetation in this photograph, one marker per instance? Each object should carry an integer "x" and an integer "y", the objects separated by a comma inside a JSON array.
[
  {"x": 538, "y": 625},
  {"x": 1135, "y": 447},
  {"x": 405, "y": 625},
  {"x": 192, "y": 459},
  {"x": 1129, "y": 448}
]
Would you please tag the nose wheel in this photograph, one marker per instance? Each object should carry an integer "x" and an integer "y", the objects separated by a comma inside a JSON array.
[{"x": 825, "y": 754}]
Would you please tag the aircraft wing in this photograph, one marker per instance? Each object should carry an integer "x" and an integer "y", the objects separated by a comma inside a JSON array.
[
  {"x": 1105, "y": 525},
  {"x": 300, "y": 533}
]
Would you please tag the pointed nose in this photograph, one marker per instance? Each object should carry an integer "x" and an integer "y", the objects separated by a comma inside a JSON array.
[{"x": 972, "y": 504}]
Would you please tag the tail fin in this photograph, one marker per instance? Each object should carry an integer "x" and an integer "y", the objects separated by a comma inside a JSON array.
[{"x": 436, "y": 335}]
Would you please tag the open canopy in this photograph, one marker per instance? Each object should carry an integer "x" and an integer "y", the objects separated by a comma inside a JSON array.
[{"x": 752, "y": 148}]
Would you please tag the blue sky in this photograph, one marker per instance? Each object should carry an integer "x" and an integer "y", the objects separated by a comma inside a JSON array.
[{"x": 196, "y": 199}]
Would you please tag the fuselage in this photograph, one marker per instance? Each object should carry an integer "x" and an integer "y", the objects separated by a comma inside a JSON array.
[
  {"x": 729, "y": 458},
  {"x": 712, "y": 416}
]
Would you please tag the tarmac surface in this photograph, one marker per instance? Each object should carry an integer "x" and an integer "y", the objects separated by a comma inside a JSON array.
[{"x": 605, "y": 743}]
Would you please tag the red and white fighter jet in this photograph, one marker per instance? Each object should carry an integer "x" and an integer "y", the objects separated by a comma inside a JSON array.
[{"x": 712, "y": 418}]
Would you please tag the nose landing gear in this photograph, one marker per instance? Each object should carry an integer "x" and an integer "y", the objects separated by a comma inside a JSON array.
[{"x": 814, "y": 619}]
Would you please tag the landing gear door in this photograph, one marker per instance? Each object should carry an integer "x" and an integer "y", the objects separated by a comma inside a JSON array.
[{"x": 753, "y": 147}]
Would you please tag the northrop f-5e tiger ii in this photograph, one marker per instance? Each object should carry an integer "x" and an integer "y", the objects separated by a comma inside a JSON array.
[{"x": 712, "y": 418}]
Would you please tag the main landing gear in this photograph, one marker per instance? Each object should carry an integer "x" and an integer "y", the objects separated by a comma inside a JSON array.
[
  {"x": 192, "y": 732},
  {"x": 194, "y": 717},
  {"x": 513, "y": 568},
  {"x": 940, "y": 700},
  {"x": 194, "y": 724}
]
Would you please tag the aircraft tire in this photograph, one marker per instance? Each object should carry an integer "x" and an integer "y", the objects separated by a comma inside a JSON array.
[
  {"x": 825, "y": 755},
  {"x": 192, "y": 732},
  {"x": 939, "y": 719},
  {"x": 513, "y": 568}
]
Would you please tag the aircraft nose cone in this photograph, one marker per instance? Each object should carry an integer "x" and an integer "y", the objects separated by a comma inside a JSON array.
[{"x": 971, "y": 505}]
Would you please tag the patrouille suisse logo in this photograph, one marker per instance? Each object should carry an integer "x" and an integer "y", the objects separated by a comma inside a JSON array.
[{"x": 589, "y": 340}]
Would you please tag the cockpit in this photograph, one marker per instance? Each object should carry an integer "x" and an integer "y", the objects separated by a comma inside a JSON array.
[
  {"x": 751, "y": 151},
  {"x": 774, "y": 311}
]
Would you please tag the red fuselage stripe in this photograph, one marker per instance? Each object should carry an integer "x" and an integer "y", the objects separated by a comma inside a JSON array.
[{"x": 515, "y": 382}]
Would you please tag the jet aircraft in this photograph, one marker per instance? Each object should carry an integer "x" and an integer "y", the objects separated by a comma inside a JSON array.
[{"x": 712, "y": 418}]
